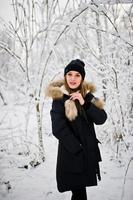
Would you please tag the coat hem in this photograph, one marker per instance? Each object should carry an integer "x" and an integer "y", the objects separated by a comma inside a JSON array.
[{"x": 76, "y": 187}]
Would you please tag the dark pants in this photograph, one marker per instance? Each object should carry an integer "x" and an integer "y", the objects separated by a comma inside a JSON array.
[{"x": 79, "y": 194}]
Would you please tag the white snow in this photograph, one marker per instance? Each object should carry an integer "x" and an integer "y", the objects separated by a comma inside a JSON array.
[{"x": 40, "y": 182}]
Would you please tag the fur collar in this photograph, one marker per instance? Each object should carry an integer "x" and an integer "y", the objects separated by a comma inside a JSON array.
[{"x": 56, "y": 90}]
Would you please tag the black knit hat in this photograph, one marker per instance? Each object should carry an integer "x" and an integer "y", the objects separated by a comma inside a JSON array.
[{"x": 76, "y": 65}]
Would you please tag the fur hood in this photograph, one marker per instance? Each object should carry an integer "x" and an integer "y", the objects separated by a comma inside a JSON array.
[{"x": 56, "y": 90}]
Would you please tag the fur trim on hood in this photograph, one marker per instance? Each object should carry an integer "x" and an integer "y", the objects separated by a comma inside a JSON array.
[{"x": 56, "y": 90}]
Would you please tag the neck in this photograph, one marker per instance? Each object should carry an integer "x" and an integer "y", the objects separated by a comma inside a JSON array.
[{"x": 74, "y": 90}]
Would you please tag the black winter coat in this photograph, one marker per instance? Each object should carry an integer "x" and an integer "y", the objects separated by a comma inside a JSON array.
[{"x": 78, "y": 152}]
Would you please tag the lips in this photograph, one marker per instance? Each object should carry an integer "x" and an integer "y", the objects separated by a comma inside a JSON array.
[{"x": 72, "y": 83}]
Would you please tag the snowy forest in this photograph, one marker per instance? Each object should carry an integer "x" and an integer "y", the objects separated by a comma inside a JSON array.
[{"x": 43, "y": 38}]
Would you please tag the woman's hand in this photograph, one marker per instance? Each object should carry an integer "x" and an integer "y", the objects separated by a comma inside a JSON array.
[{"x": 78, "y": 96}]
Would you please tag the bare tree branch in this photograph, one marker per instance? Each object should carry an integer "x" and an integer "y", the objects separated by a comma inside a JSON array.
[{"x": 13, "y": 54}]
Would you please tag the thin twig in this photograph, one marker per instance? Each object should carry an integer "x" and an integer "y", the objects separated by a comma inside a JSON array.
[
  {"x": 123, "y": 188},
  {"x": 13, "y": 54}
]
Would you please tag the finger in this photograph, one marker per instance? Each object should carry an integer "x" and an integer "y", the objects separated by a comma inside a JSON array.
[{"x": 74, "y": 98}]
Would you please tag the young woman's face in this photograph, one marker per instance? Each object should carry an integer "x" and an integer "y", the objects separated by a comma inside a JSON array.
[{"x": 73, "y": 79}]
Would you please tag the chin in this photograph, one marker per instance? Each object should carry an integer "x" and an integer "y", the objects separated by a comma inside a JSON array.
[{"x": 73, "y": 87}]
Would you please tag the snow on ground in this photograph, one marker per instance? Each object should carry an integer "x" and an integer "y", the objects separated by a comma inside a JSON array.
[
  {"x": 40, "y": 183},
  {"x": 20, "y": 181}
]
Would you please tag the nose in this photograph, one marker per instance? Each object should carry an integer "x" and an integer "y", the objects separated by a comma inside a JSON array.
[{"x": 72, "y": 78}]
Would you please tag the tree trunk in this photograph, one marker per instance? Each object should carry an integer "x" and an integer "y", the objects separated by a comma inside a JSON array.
[
  {"x": 99, "y": 40},
  {"x": 40, "y": 138}
]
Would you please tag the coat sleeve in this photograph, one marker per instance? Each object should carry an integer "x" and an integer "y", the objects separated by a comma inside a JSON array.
[
  {"x": 94, "y": 113},
  {"x": 61, "y": 130}
]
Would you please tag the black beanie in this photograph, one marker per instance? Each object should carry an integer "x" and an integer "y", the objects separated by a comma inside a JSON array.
[{"x": 75, "y": 65}]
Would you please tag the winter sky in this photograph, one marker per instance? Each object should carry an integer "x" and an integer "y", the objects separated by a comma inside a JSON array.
[{"x": 6, "y": 10}]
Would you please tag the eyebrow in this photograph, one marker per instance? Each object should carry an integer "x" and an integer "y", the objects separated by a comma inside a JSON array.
[{"x": 75, "y": 73}]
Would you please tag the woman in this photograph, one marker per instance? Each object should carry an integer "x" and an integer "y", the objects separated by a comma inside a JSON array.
[{"x": 74, "y": 112}]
